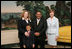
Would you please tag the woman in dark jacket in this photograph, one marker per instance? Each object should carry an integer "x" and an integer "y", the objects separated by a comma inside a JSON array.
[{"x": 22, "y": 23}]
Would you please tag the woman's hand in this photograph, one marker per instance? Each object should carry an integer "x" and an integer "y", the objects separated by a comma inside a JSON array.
[
  {"x": 57, "y": 38},
  {"x": 26, "y": 34},
  {"x": 33, "y": 45},
  {"x": 46, "y": 37}
]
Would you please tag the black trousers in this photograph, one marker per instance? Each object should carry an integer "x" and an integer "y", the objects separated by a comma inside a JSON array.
[
  {"x": 40, "y": 42},
  {"x": 21, "y": 42},
  {"x": 29, "y": 43},
  {"x": 29, "y": 46}
]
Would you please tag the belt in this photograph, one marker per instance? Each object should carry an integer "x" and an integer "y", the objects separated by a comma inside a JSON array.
[{"x": 51, "y": 33}]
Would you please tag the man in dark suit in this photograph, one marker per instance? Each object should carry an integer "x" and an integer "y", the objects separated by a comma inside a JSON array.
[{"x": 39, "y": 25}]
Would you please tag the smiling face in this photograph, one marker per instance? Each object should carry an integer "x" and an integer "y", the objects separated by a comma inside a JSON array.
[
  {"x": 28, "y": 28},
  {"x": 38, "y": 15},
  {"x": 26, "y": 15},
  {"x": 51, "y": 13}
]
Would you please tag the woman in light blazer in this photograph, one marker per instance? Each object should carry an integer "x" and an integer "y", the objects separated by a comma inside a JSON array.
[{"x": 52, "y": 30}]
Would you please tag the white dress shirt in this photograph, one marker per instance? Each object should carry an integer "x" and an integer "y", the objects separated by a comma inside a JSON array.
[
  {"x": 38, "y": 20},
  {"x": 25, "y": 20}
]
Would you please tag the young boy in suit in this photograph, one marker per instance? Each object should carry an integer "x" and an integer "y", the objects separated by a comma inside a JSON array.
[{"x": 28, "y": 40}]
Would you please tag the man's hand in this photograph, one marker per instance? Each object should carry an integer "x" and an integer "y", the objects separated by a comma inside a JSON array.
[
  {"x": 33, "y": 45},
  {"x": 36, "y": 33},
  {"x": 26, "y": 34}
]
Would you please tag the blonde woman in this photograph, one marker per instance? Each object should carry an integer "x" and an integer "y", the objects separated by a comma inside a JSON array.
[
  {"x": 52, "y": 30},
  {"x": 22, "y": 23}
]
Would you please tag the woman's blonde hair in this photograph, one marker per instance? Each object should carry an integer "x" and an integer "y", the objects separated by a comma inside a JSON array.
[{"x": 22, "y": 15}]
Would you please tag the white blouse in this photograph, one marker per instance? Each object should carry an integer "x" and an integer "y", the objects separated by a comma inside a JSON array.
[
  {"x": 26, "y": 20},
  {"x": 53, "y": 26}
]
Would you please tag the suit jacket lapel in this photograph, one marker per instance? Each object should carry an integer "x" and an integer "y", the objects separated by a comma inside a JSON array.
[
  {"x": 29, "y": 21},
  {"x": 36, "y": 22}
]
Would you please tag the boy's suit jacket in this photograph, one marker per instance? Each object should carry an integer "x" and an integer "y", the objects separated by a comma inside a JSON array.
[{"x": 29, "y": 40}]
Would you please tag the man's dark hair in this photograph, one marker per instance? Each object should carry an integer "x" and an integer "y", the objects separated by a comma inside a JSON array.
[{"x": 38, "y": 11}]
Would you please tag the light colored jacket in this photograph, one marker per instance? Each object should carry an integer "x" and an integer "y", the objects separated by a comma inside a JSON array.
[{"x": 53, "y": 26}]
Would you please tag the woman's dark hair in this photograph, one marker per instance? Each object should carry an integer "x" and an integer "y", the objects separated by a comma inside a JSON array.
[{"x": 51, "y": 10}]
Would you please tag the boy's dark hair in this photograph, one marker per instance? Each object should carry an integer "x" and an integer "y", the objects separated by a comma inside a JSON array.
[{"x": 28, "y": 25}]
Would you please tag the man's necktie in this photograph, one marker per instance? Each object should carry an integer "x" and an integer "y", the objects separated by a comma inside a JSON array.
[{"x": 37, "y": 22}]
